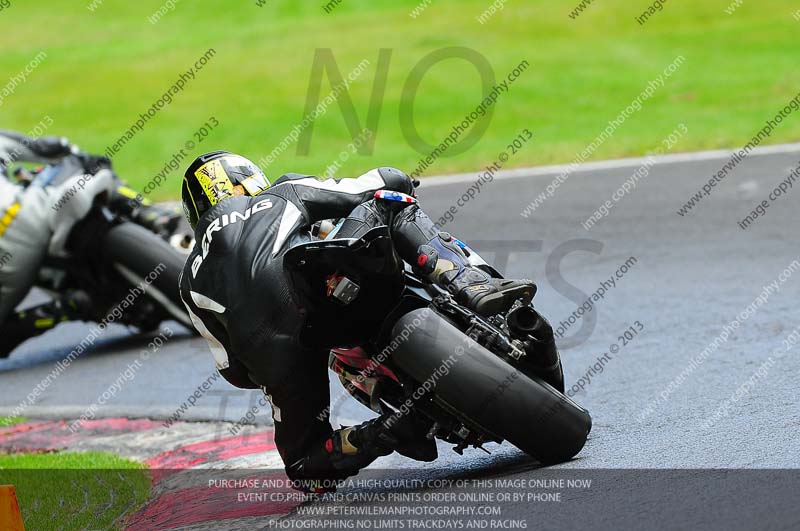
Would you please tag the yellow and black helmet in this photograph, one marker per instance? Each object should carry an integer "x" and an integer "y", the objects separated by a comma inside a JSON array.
[{"x": 213, "y": 177}]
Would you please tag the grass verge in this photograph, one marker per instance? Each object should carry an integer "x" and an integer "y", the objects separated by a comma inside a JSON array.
[
  {"x": 66, "y": 491},
  {"x": 740, "y": 69},
  {"x": 6, "y": 422}
]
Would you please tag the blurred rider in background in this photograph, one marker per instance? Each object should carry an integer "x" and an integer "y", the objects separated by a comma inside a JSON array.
[
  {"x": 31, "y": 211},
  {"x": 27, "y": 223}
]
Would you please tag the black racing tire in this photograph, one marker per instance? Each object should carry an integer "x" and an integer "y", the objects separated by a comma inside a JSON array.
[
  {"x": 524, "y": 410},
  {"x": 135, "y": 253}
]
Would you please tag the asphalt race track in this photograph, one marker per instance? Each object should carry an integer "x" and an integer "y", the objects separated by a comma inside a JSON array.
[{"x": 692, "y": 276}]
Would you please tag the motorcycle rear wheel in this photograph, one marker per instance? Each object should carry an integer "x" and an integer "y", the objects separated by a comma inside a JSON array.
[{"x": 483, "y": 388}]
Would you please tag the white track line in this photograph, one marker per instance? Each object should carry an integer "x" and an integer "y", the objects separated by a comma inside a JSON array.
[{"x": 697, "y": 156}]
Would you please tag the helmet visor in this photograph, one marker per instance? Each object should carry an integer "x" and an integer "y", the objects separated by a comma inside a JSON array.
[{"x": 243, "y": 172}]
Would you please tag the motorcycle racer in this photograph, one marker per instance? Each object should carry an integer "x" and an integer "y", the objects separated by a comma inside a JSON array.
[
  {"x": 27, "y": 224},
  {"x": 240, "y": 300},
  {"x": 30, "y": 212}
]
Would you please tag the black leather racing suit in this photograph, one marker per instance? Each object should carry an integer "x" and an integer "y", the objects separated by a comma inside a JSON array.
[{"x": 240, "y": 300}]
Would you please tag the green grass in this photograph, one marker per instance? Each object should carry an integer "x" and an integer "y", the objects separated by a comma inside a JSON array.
[
  {"x": 106, "y": 67},
  {"x": 11, "y": 421},
  {"x": 65, "y": 491}
]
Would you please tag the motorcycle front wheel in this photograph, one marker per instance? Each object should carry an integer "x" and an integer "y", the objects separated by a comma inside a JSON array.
[{"x": 139, "y": 255}]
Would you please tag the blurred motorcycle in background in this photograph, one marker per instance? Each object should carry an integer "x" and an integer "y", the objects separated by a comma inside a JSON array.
[{"x": 118, "y": 260}]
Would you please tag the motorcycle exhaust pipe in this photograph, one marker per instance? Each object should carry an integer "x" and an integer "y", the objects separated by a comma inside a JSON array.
[{"x": 522, "y": 321}]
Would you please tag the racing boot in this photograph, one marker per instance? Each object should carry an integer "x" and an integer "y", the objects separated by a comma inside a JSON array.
[
  {"x": 27, "y": 324},
  {"x": 444, "y": 260}
]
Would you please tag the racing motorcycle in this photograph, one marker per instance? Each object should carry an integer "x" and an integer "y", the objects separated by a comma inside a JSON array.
[
  {"x": 124, "y": 202},
  {"x": 405, "y": 345},
  {"x": 98, "y": 251}
]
